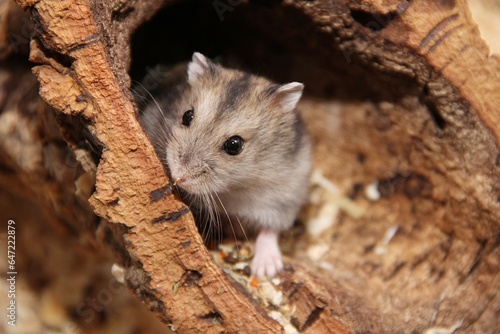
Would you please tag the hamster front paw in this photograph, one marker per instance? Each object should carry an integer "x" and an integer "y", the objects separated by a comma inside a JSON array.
[{"x": 267, "y": 260}]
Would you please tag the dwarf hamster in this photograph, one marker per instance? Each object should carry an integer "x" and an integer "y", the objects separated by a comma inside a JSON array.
[{"x": 235, "y": 143}]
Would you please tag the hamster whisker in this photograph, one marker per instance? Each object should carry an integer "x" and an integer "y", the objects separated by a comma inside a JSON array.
[
  {"x": 140, "y": 98},
  {"x": 177, "y": 191},
  {"x": 204, "y": 214},
  {"x": 242, "y": 229},
  {"x": 153, "y": 99},
  {"x": 216, "y": 221},
  {"x": 158, "y": 135},
  {"x": 135, "y": 90},
  {"x": 209, "y": 214},
  {"x": 230, "y": 221},
  {"x": 219, "y": 225},
  {"x": 146, "y": 100}
]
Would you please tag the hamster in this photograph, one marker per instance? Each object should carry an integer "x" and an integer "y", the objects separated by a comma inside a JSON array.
[{"x": 236, "y": 145}]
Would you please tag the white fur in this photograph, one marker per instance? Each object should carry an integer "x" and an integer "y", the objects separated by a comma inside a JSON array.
[
  {"x": 197, "y": 68},
  {"x": 289, "y": 95},
  {"x": 267, "y": 256}
]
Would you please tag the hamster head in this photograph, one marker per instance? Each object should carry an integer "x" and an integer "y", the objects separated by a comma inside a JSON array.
[{"x": 231, "y": 130}]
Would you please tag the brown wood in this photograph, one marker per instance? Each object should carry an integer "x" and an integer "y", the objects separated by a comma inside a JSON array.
[{"x": 419, "y": 95}]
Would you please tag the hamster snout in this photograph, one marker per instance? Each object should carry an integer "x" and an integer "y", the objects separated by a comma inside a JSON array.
[
  {"x": 237, "y": 146},
  {"x": 186, "y": 177}
]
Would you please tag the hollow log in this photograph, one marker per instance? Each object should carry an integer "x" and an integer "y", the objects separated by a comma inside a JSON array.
[{"x": 401, "y": 96}]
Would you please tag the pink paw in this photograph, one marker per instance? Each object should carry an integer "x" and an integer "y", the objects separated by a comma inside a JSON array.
[{"x": 267, "y": 260}]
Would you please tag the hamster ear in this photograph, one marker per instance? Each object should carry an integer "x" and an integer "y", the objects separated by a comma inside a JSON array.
[
  {"x": 288, "y": 95},
  {"x": 199, "y": 67}
]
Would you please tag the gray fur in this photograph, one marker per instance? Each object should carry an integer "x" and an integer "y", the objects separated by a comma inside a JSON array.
[{"x": 265, "y": 185}]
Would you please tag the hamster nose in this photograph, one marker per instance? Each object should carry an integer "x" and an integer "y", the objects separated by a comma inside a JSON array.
[{"x": 179, "y": 180}]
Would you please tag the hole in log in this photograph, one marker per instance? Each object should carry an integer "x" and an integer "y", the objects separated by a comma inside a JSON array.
[
  {"x": 313, "y": 316},
  {"x": 191, "y": 278},
  {"x": 372, "y": 112},
  {"x": 373, "y": 21},
  {"x": 437, "y": 118},
  {"x": 212, "y": 317},
  {"x": 120, "y": 14},
  {"x": 161, "y": 193},
  {"x": 412, "y": 186},
  {"x": 170, "y": 217}
]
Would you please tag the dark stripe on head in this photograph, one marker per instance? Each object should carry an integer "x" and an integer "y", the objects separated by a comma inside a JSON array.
[
  {"x": 269, "y": 91},
  {"x": 268, "y": 94},
  {"x": 212, "y": 68},
  {"x": 237, "y": 89}
]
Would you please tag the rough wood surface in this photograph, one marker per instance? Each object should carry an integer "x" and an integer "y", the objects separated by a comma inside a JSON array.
[
  {"x": 418, "y": 95},
  {"x": 162, "y": 239}
]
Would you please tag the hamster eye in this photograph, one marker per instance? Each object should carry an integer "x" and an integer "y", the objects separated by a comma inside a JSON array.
[
  {"x": 233, "y": 145},
  {"x": 187, "y": 117}
]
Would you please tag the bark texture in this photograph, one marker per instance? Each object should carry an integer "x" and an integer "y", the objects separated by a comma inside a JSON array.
[{"x": 404, "y": 94}]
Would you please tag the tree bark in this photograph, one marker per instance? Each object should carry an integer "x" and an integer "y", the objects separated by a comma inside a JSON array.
[{"x": 419, "y": 96}]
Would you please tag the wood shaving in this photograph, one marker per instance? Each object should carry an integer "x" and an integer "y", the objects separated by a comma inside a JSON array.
[
  {"x": 444, "y": 330},
  {"x": 328, "y": 200},
  {"x": 267, "y": 292},
  {"x": 372, "y": 192}
]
